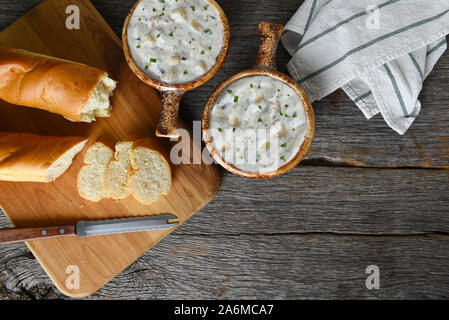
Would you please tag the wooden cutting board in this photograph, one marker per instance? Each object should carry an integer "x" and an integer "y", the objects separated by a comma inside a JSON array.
[{"x": 136, "y": 111}]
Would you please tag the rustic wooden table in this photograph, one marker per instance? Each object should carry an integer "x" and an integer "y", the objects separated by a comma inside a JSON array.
[{"x": 363, "y": 196}]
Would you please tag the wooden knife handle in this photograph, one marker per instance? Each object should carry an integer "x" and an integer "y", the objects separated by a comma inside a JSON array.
[{"x": 14, "y": 235}]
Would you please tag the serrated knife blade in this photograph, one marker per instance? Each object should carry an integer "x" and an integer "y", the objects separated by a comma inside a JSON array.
[
  {"x": 115, "y": 226},
  {"x": 90, "y": 228}
]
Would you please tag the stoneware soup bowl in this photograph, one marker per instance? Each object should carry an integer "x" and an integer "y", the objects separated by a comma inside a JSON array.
[
  {"x": 269, "y": 35},
  {"x": 172, "y": 94}
]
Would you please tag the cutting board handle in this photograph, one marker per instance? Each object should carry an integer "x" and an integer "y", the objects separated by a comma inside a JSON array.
[
  {"x": 168, "y": 122},
  {"x": 14, "y": 235}
]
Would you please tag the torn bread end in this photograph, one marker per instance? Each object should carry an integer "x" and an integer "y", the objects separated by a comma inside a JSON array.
[{"x": 98, "y": 104}]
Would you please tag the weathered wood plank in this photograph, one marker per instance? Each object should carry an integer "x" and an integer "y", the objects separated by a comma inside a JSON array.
[
  {"x": 255, "y": 266},
  {"x": 342, "y": 200},
  {"x": 324, "y": 203},
  {"x": 329, "y": 199}
]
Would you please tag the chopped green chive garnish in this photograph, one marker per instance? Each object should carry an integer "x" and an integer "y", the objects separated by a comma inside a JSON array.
[
  {"x": 279, "y": 90},
  {"x": 230, "y": 91},
  {"x": 283, "y": 145},
  {"x": 140, "y": 19},
  {"x": 185, "y": 72},
  {"x": 294, "y": 115},
  {"x": 205, "y": 7},
  {"x": 260, "y": 107},
  {"x": 153, "y": 60},
  {"x": 146, "y": 67},
  {"x": 251, "y": 85},
  {"x": 158, "y": 36},
  {"x": 219, "y": 129},
  {"x": 203, "y": 52},
  {"x": 236, "y": 98},
  {"x": 207, "y": 31},
  {"x": 286, "y": 115},
  {"x": 163, "y": 1},
  {"x": 154, "y": 9},
  {"x": 210, "y": 48},
  {"x": 280, "y": 112},
  {"x": 171, "y": 34},
  {"x": 137, "y": 46},
  {"x": 283, "y": 158},
  {"x": 260, "y": 120},
  {"x": 163, "y": 9},
  {"x": 293, "y": 129},
  {"x": 162, "y": 14},
  {"x": 286, "y": 105},
  {"x": 193, "y": 8}
]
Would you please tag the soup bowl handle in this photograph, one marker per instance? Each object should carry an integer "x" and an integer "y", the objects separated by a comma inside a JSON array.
[
  {"x": 168, "y": 121},
  {"x": 269, "y": 35}
]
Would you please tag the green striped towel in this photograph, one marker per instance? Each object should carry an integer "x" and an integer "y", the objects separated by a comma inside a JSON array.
[{"x": 379, "y": 52}]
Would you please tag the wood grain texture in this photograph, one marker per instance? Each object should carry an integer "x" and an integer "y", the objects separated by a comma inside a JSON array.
[
  {"x": 136, "y": 109},
  {"x": 309, "y": 234},
  {"x": 17, "y": 235},
  {"x": 219, "y": 266}
]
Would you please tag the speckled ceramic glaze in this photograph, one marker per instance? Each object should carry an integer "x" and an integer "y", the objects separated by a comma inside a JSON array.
[
  {"x": 265, "y": 66},
  {"x": 172, "y": 94}
]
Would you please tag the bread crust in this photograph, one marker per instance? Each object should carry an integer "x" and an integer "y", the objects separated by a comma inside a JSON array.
[
  {"x": 42, "y": 82},
  {"x": 27, "y": 157}
]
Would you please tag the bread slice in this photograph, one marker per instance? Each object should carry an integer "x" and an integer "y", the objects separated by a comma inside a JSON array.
[
  {"x": 118, "y": 171},
  {"x": 151, "y": 173},
  {"x": 28, "y": 157},
  {"x": 91, "y": 178},
  {"x": 76, "y": 91}
]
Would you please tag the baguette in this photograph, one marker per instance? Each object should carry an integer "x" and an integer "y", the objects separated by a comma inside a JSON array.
[
  {"x": 76, "y": 91},
  {"x": 91, "y": 178},
  {"x": 34, "y": 158},
  {"x": 151, "y": 173}
]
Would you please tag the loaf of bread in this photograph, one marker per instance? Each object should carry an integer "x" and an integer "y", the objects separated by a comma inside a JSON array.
[
  {"x": 118, "y": 171},
  {"x": 151, "y": 173},
  {"x": 91, "y": 178},
  {"x": 36, "y": 158},
  {"x": 75, "y": 91}
]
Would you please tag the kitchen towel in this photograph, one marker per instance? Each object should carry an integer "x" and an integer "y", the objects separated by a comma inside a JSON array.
[{"x": 379, "y": 52}]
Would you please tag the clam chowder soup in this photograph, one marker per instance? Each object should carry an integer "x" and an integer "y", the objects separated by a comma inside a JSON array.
[
  {"x": 257, "y": 124},
  {"x": 175, "y": 41}
]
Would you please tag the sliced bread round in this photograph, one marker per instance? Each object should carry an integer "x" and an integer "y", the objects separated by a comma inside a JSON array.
[
  {"x": 91, "y": 178},
  {"x": 151, "y": 173},
  {"x": 118, "y": 171}
]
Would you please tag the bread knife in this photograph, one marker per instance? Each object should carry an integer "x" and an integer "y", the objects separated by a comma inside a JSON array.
[{"x": 89, "y": 228}]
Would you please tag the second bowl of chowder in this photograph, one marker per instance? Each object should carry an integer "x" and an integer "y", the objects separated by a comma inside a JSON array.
[
  {"x": 175, "y": 46},
  {"x": 259, "y": 123}
]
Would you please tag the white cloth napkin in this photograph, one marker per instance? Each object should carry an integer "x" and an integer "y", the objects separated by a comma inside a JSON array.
[{"x": 379, "y": 52}]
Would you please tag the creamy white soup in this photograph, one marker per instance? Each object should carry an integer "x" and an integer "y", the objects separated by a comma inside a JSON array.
[
  {"x": 175, "y": 41},
  {"x": 257, "y": 124}
]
